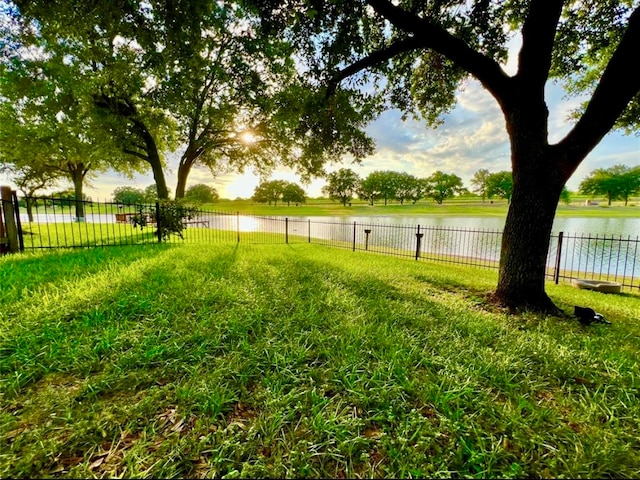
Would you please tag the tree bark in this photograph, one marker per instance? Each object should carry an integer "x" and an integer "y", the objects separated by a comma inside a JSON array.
[
  {"x": 525, "y": 244},
  {"x": 77, "y": 176},
  {"x": 537, "y": 184},
  {"x": 153, "y": 158},
  {"x": 158, "y": 176},
  {"x": 186, "y": 162}
]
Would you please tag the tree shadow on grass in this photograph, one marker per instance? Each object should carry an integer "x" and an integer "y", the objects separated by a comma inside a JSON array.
[
  {"x": 78, "y": 327},
  {"x": 19, "y": 274},
  {"x": 435, "y": 306}
]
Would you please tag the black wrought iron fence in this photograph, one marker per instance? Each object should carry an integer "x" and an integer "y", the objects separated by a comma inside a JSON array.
[
  {"x": 600, "y": 257},
  {"x": 54, "y": 223}
]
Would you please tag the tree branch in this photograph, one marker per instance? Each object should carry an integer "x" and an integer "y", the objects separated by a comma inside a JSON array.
[
  {"x": 616, "y": 89},
  {"x": 372, "y": 59},
  {"x": 538, "y": 35},
  {"x": 136, "y": 154},
  {"x": 431, "y": 35}
]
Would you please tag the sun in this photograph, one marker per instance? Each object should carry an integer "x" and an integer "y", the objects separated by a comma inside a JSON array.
[{"x": 248, "y": 138}]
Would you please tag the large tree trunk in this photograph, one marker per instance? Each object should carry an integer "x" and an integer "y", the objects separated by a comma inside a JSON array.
[
  {"x": 152, "y": 157},
  {"x": 525, "y": 244},
  {"x": 537, "y": 184},
  {"x": 183, "y": 174},
  {"x": 158, "y": 175},
  {"x": 77, "y": 176}
]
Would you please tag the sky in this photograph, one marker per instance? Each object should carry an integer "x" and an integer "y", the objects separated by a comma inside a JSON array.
[{"x": 472, "y": 137}]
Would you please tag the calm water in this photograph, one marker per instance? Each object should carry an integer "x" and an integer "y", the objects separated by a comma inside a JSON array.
[
  {"x": 608, "y": 246},
  {"x": 586, "y": 226},
  {"x": 582, "y": 225}
]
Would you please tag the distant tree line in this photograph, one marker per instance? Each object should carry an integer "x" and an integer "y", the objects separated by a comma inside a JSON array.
[
  {"x": 386, "y": 185},
  {"x": 616, "y": 183}
]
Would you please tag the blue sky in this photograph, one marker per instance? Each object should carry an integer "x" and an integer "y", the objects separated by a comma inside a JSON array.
[{"x": 472, "y": 137}]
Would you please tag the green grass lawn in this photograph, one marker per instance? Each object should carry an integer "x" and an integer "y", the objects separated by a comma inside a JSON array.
[
  {"x": 452, "y": 207},
  {"x": 302, "y": 361}
]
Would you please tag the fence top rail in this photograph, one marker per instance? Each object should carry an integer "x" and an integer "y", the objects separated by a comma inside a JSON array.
[
  {"x": 372, "y": 224},
  {"x": 597, "y": 236}
]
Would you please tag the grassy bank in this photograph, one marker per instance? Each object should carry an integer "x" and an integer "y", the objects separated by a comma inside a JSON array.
[
  {"x": 301, "y": 361},
  {"x": 454, "y": 207}
]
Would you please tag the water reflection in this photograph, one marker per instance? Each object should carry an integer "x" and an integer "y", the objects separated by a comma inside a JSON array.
[
  {"x": 247, "y": 224},
  {"x": 608, "y": 246},
  {"x": 582, "y": 225}
]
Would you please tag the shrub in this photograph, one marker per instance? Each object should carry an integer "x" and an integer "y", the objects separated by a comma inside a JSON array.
[{"x": 169, "y": 217}]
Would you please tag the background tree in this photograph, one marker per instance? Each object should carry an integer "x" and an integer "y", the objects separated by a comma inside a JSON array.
[
  {"x": 380, "y": 184},
  {"x": 371, "y": 187},
  {"x": 414, "y": 54},
  {"x": 407, "y": 187},
  {"x": 151, "y": 193},
  {"x": 342, "y": 185},
  {"x": 419, "y": 190},
  {"x": 46, "y": 118},
  {"x": 500, "y": 185},
  {"x": 441, "y": 186},
  {"x": 219, "y": 84},
  {"x": 269, "y": 191},
  {"x": 293, "y": 193},
  {"x": 565, "y": 196},
  {"x": 388, "y": 185},
  {"x": 479, "y": 182},
  {"x": 185, "y": 75},
  {"x": 128, "y": 195},
  {"x": 202, "y": 193},
  {"x": 30, "y": 179},
  {"x": 617, "y": 182}
]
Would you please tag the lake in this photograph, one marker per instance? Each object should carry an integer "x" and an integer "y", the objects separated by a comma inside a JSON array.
[
  {"x": 576, "y": 225},
  {"x": 592, "y": 245}
]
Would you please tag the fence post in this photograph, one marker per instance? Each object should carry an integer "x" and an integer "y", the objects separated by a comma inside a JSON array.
[
  {"x": 18, "y": 222},
  {"x": 10, "y": 227},
  {"x": 286, "y": 230},
  {"x": 309, "y": 230},
  {"x": 354, "y": 237},
  {"x": 158, "y": 225},
  {"x": 4, "y": 242},
  {"x": 556, "y": 273},
  {"x": 418, "y": 241},
  {"x": 366, "y": 238},
  {"x": 238, "y": 225}
]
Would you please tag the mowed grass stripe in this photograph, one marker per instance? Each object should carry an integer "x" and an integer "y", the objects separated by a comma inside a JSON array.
[{"x": 303, "y": 361}]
